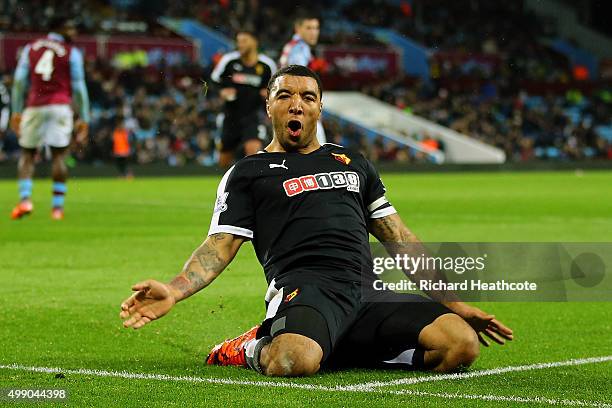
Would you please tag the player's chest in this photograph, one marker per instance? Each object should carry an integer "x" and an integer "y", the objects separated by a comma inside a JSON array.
[{"x": 291, "y": 179}]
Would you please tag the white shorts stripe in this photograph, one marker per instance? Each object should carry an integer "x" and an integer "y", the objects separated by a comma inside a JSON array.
[
  {"x": 405, "y": 357},
  {"x": 274, "y": 304}
]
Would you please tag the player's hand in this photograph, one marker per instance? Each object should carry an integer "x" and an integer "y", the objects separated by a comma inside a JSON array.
[
  {"x": 151, "y": 300},
  {"x": 15, "y": 122},
  {"x": 484, "y": 324},
  {"x": 81, "y": 131},
  {"x": 228, "y": 94}
]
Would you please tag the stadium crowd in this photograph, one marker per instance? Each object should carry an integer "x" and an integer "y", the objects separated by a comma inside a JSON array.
[{"x": 168, "y": 118}]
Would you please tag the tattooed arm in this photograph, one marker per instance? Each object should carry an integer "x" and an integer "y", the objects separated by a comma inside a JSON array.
[
  {"x": 153, "y": 299},
  {"x": 205, "y": 264},
  {"x": 398, "y": 239},
  {"x": 391, "y": 230}
]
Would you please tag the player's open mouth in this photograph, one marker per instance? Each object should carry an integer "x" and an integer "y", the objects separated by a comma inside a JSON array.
[{"x": 294, "y": 127}]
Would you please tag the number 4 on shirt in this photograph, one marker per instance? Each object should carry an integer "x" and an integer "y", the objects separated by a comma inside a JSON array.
[{"x": 44, "y": 66}]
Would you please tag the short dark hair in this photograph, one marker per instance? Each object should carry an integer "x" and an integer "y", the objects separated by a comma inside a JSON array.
[
  {"x": 247, "y": 30},
  {"x": 296, "y": 70},
  {"x": 304, "y": 15}
]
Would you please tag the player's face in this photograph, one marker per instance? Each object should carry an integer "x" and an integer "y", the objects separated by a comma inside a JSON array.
[
  {"x": 245, "y": 43},
  {"x": 309, "y": 31},
  {"x": 294, "y": 106}
]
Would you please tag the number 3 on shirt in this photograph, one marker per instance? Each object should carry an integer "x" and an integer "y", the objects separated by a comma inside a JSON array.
[{"x": 44, "y": 66}]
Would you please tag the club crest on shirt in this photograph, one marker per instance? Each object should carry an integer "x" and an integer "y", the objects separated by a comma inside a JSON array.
[
  {"x": 293, "y": 294},
  {"x": 342, "y": 158},
  {"x": 220, "y": 204}
]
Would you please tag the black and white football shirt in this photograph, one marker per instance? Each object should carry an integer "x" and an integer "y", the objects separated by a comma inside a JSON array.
[{"x": 305, "y": 213}]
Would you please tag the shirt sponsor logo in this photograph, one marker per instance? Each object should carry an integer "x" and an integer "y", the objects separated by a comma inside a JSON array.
[
  {"x": 322, "y": 181},
  {"x": 246, "y": 79}
]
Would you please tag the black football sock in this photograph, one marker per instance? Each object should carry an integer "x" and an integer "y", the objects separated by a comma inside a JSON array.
[{"x": 418, "y": 359}]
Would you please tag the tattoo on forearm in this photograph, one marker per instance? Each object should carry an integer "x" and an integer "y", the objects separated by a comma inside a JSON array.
[
  {"x": 387, "y": 229},
  {"x": 202, "y": 268}
]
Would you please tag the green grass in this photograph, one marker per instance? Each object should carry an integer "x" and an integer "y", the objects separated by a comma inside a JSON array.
[{"x": 62, "y": 283}]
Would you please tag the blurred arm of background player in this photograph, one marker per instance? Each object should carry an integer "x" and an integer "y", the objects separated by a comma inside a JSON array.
[
  {"x": 79, "y": 93},
  {"x": 220, "y": 77},
  {"x": 392, "y": 233},
  {"x": 153, "y": 299},
  {"x": 20, "y": 87}
]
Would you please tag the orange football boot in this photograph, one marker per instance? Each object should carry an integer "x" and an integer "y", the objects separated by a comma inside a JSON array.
[
  {"x": 22, "y": 209},
  {"x": 231, "y": 352},
  {"x": 57, "y": 213}
]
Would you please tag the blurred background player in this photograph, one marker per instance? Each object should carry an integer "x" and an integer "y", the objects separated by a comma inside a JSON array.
[
  {"x": 122, "y": 147},
  {"x": 5, "y": 100},
  {"x": 300, "y": 51},
  {"x": 243, "y": 76},
  {"x": 52, "y": 72}
]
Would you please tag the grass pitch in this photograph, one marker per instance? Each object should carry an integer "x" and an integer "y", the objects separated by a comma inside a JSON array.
[{"x": 62, "y": 283}]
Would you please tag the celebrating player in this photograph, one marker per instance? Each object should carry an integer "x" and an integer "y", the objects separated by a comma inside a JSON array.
[
  {"x": 243, "y": 76},
  {"x": 308, "y": 208},
  {"x": 52, "y": 69}
]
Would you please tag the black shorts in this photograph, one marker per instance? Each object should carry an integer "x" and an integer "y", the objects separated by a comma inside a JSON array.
[
  {"x": 239, "y": 129},
  {"x": 334, "y": 316}
]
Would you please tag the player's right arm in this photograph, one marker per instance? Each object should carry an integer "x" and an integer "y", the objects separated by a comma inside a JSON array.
[
  {"x": 20, "y": 85},
  {"x": 153, "y": 299},
  {"x": 232, "y": 224}
]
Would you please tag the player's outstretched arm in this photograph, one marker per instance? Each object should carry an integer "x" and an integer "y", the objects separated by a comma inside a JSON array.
[
  {"x": 153, "y": 299},
  {"x": 398, "y": 239}
]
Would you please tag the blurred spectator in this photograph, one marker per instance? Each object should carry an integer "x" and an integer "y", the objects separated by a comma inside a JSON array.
[{"x": 121, "y": 147}]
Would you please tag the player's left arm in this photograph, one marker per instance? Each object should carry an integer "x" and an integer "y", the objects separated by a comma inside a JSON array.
[
  {"x": 391, "y": 231},
  {"x": 79, "y": 92}
]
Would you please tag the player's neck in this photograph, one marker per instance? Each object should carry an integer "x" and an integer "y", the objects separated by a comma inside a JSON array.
[{"x": 276, "y": 147}]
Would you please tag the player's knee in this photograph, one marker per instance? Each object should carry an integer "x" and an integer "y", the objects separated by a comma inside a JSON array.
[
  {"x": 290, "y": 364},
  {"x": 293, "y": 358},
  {"x": 463, "y": 351}
]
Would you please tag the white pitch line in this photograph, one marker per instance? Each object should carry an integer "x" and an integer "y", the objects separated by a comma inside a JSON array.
[
  {"x": 480, "y": 373},
  {"x": 164, "y": 377},
  {"x": 313, "y": 387}
]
